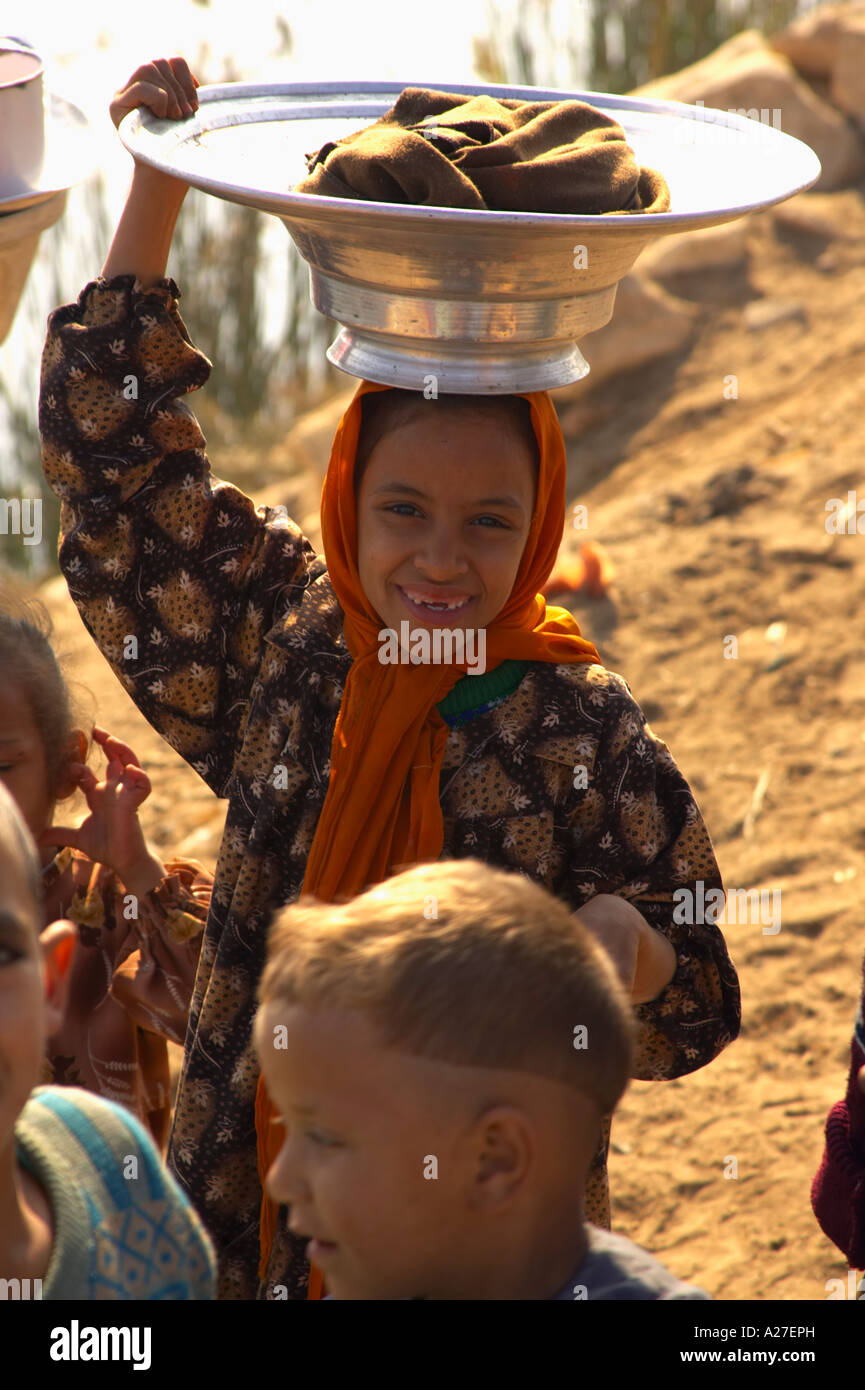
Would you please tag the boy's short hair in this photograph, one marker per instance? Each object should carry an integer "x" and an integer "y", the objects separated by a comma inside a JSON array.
[
  {"x": 464, "y": 964},
  {"x": 16, "y": 837},
  {"x": 383, "y": 411}
]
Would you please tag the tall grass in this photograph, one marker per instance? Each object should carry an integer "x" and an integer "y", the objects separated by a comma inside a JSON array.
[{"x": 614, "y": 45}]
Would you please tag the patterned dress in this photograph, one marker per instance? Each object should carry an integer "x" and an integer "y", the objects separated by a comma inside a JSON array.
[
  {"x": 130, "y": 980},
  {"x": 239, "y": 660}
]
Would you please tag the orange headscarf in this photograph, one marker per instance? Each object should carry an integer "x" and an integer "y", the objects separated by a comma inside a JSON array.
[{"x": 388, "y": 732}]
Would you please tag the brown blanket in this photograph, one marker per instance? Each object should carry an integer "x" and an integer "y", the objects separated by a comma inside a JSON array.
[{"x": 440, "y": 149}]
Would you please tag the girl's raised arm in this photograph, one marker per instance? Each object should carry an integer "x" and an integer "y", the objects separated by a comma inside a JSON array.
[
  {"x": 177, "y": 576},
  {"x": 143, "y": 238}
]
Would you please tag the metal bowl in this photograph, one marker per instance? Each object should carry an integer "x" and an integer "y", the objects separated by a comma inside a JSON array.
[{"x": 443, "y": 299}]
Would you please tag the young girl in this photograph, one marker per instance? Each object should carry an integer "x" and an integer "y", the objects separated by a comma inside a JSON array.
[
  {"x": 261, "y": 663},
  {"x": 139, "y": 921}
]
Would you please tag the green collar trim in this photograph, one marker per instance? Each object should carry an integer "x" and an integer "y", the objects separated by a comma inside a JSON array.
[{"x": 474, "y": 693}]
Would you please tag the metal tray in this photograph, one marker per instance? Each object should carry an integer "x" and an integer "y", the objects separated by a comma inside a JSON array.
[{"x": 476, "y": 301}]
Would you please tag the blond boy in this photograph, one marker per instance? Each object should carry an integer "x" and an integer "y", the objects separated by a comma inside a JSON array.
[{"x": 443, "y": 1050}]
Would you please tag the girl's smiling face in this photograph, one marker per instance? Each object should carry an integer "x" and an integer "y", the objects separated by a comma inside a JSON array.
[{"x": 444, "y": 508}]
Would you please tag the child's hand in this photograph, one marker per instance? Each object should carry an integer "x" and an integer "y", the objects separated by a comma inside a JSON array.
[
  {"x": 143, "y": 238},
  {"x": 644, "y": 958},
  {"x": 111, "y": 834},
  {"x": 165, "y": 86}
]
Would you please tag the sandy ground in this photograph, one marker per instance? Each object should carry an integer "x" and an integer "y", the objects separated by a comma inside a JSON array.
[{"x": 714, "y": 513}]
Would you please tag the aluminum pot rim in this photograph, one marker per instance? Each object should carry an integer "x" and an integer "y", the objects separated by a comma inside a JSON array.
[{"x": 145, "y": 135}]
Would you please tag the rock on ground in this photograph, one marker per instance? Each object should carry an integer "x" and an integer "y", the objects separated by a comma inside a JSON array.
[
  {"x": 813, "y": 42},
  {"x": 713, "y": 248},
  {"x": 647, "y": 324},
  {"x": 823, "y": 215},
  {"x": 746, "y": 74},
  {"x": 847, "y": 86}
]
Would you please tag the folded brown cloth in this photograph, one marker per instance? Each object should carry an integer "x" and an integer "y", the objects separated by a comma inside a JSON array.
[{"x": 440, "y": 149}]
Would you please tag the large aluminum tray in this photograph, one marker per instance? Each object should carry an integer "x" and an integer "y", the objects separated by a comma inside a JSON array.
[{"x": 450, "y": 300}]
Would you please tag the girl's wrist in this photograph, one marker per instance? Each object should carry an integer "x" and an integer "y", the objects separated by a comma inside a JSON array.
[
  {"x": 156, "y": 184},
  {"x": 143, "y": 876},
  {"x": 142, "y": 241}
]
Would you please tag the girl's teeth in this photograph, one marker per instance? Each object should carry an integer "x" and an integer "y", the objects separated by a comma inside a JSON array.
[{"x": 438, "y": 607}]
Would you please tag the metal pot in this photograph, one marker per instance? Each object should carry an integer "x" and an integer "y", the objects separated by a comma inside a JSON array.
[
  {"x": 444, "y": 299},
  {"x": 22, "y": 119}
]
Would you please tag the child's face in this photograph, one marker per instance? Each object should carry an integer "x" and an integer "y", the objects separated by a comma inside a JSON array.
[
  {"x": 443, "y": 514},
  {"x": 362, "y": 1126},
  {"x": 26, "y": 1019},
  {"x": 22, "y": 758}
]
